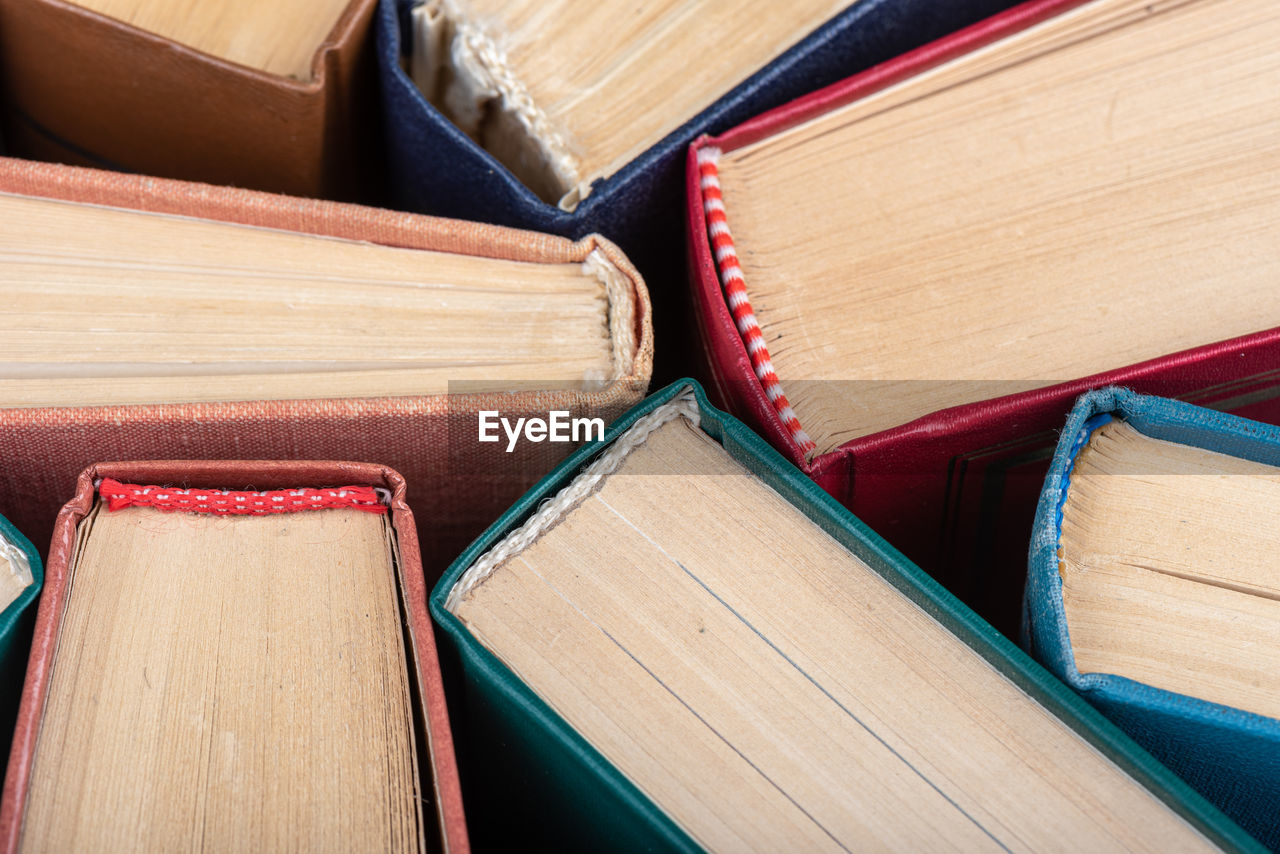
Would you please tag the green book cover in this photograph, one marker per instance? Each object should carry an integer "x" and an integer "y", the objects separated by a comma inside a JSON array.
[{"x": 529, "y": 777}]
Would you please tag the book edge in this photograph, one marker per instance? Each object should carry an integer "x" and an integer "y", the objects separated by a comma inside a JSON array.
[
  {"x": 551, "y": 511},
  {"x": 437, "y": 735},
  {"x": 1045, "y": 630},
  {"x": 630, "y": 316},
  {"x": 735, "y": 378},
  {"x": 795, "y": 487}
]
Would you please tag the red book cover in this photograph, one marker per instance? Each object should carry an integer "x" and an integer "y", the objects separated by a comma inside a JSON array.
[
  {"x": 458, "y": 486},
  {"x": 954, "y": 490},
  {"x": 443, "y": 812}
]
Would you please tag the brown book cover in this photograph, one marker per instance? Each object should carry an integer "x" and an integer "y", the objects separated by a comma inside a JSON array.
[
  {"x": 441, "y": 790},
  {"x": 457, "y": 486},
  {"x": 85, "y": 89}
]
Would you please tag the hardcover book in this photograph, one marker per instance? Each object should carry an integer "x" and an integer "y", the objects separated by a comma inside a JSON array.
[
  {"x": 276, "y": 96},
  {"x": 1152, "y": 588},
  {"x": 621, "y": 91},
  {"x": 160, "y": 319},
  {"x": 904, "y": 280},
  {"x": 233, "y": 669},
  {"x": 676, "y": 641},
  {"x": 21, "y": 575}
]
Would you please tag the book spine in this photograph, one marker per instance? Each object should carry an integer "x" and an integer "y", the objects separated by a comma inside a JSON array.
[
  {"x": 1230, "y": 756},
  {"x": 203, "y": 476}
]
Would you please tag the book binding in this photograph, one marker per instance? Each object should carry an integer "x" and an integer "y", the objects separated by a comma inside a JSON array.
[
  {"x": 430, "y": 439},
  {"x": 954, "y": 489},
  {"x": 216, "y": 474},
  {"x": 1230, "y": 756},
  {"x": 569, "y": 791}
]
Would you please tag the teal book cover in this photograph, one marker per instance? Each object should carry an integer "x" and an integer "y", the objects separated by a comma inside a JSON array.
[
  {"x": 676, "y": 641},
  {"x": 21, "y": 575}
]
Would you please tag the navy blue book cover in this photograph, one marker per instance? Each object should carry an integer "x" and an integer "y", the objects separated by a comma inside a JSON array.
[{"x": 437, "y": 169}]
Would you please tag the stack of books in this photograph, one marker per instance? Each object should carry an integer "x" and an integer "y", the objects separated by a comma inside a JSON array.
[{"x": 334, "y": 514}]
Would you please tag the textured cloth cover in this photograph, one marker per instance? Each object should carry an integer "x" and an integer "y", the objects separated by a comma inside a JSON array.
[
  {"x": 442, "y": 792},
  {"x": 1230, "y": 756},
  {"x": 457, "y": 486}
]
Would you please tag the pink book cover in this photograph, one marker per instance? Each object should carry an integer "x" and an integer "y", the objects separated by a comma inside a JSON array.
[
  {"x": 443, "y": 812},
  {"x": 458, "y": 487}
]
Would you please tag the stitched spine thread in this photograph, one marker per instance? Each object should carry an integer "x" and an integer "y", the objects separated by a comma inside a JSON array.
[
  {"x": 583, "y": 486},
  {"x": 232, "y": 503},
  {"x": 497, "y": 75},
  {"x": 1064, "y": 482},
  {"x": 621, "y": 315},
  {"x": 735, "y": 294},
  {"x": 479, "y": 78},
  {"x": 15, "y": 558}
]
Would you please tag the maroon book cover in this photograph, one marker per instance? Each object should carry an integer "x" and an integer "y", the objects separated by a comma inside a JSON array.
[{"x": 954, "y": 490}]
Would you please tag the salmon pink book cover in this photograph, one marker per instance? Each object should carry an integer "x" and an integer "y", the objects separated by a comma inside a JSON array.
[{"x": 195, "y": 487}]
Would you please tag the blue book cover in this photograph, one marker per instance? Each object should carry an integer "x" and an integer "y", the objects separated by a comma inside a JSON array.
[
  {"x": 436, "y": 168},
  {"x": 1229, "y": 755}
]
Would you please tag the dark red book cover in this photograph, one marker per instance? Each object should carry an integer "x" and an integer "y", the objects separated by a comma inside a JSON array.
[{"x": 954, "y": 490}]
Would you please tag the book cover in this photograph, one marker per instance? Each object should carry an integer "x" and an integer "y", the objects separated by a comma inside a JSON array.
[
  {"x": 442, "y": 797},
  {"x": 24, "y": 576},
  {"x": 561, "y": 787},
  {"x": 431, "y": 439},
  {"x": 1229, "y": 755},
  {"x": 955, "y": 490},
  {"x": 86, "y": 89},
  {"x": 436, "y": 168}
]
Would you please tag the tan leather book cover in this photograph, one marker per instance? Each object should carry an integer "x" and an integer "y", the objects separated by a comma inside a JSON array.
[
  {"x": 85, "y": 89},
  {"x": 457, "y": 487},
  {"x": 445, "y": 792}
]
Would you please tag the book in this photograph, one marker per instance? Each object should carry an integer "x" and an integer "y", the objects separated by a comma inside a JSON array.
[
  {"x": 1039, "y": 203},
  {"x": 21, "y": 575},
  {"x": 272, "y": 96},
  {"x": 279, "y": 39},
  {"x": 161, "y": 319},
  {"x": 272, "y": 674},
  {"x": 20, "y": 579},
  {"x": 560, "y": 120},
  {"x": 1151, "y": 588},
  {"x": 676, "y": 641},
  {"x": 607, "y": 52}
]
